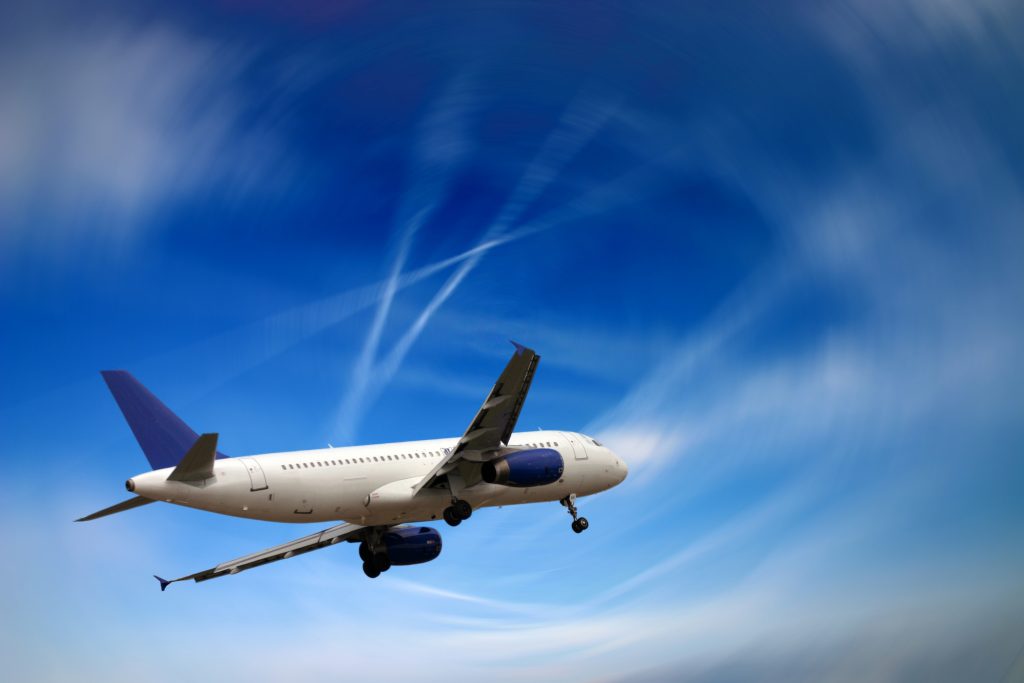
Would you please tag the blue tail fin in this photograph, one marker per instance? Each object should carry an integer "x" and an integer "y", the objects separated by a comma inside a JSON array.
[{"x": 163, "y": 436}]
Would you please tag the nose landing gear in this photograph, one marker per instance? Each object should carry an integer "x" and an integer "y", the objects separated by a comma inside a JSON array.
[
  {"x": 458, "y": 511},
  {"x": 579, "y": 524}
]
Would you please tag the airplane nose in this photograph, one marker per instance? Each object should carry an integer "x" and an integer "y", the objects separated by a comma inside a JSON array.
[{"x": 621, "y": 469}]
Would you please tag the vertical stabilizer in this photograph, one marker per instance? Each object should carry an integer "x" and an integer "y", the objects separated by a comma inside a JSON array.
[{"x": 161, "y": 434}]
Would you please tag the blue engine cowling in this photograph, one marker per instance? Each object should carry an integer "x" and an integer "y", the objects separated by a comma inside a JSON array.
[
  {"x": 412, "y": 545},
  {"x": 535, "y": 467}
]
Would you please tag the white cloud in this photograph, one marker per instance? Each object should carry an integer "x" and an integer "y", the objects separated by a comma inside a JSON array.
[{"x": 104, "y": 125}]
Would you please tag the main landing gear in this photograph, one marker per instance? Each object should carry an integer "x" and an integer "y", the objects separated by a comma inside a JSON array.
[
  {"x": 458, "y": 511},
  {"x": 579, "y": 524},
  {"x": 374, "y": 563}
]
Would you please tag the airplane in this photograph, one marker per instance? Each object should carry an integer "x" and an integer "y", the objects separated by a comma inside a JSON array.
[{"x": 381, "y": 493}]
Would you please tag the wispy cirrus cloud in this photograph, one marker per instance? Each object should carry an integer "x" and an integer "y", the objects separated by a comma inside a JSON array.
[{"x": 104, "y": 125}]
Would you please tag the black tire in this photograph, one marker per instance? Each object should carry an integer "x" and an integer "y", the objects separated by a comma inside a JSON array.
[
  {"x": 576, "y": 526},
  {"x": 382, "y": 562},
  {"x": 451, "y": 517},
  {"x": 370, "y": 569},
  {"x": 463, "y": 509},
  {"x": 584, "y": 524},
  {"x": 364, "y": 552}
]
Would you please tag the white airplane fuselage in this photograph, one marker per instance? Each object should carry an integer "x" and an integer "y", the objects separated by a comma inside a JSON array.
[{"x": 373, "y": 485}]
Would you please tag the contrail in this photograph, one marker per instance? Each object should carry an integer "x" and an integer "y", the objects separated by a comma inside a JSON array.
[
  {"x": 257, "y": 342},
  {"x": 577, "y": 126},
  {"x": 440, "y": 148}
]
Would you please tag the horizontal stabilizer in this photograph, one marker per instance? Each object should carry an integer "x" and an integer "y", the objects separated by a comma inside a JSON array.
[
  {"x": 198, "y": 461},
  {"x": 129, "y": 504},
  {"x": 163, "y": 436}
]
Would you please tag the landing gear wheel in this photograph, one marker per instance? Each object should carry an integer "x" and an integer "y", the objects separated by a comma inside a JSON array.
[
  {"x": 370, "y": 569},
  {"x": 463, "y": 509},
  {"x": 579, "y": 524},
  {"x": 364, "y": 552},
  {"x": 451, "y": 516},
  {"x": 382, "y": 562}
]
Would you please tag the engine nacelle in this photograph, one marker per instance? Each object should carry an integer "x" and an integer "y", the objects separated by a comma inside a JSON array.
[
  {"x": 535, "y": 467},
  {"x": 412, "y": 545}
]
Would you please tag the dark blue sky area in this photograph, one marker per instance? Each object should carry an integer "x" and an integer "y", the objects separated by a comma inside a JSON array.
[{"x": 770, "y": 254}]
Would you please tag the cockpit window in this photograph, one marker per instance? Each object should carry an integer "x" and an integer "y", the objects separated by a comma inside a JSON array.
[{"x": 597, "y": 443}]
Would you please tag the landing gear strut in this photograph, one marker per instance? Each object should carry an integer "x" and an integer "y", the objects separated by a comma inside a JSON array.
[
  {"x": 579, "y": 524},
  {"x": 458, "y": 511}
]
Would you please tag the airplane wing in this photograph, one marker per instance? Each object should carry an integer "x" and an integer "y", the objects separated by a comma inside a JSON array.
[
  {"x": 494, "y": 423},
  {"x": 322, "y": 539}
]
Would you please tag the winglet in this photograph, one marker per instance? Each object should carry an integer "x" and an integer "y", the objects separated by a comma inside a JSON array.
[
  {"x": 164, "y": 583},
  {"x": 519, "y": 347}
]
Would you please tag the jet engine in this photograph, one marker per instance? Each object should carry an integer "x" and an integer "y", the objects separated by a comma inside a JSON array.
[
  {"x": 535, "y": 467},
  {"x": 412, "y": 545}
]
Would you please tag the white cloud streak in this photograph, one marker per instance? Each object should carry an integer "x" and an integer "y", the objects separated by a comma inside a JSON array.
[
  {"x": 100, "y": 126},
  {"x": 440, "y": 150},
  {"x": 582, "y": 120}
]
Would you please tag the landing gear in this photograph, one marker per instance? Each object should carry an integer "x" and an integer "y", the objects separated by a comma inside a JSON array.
[
  {"x": 579, "y": 524},
  {"x": 377, "y": 564},
  {"x": 451, "y": 516},
  {"x": 382, "y": 562},
  {"x": 374, "y": 554},
  {"x": 458, "y": 511}
]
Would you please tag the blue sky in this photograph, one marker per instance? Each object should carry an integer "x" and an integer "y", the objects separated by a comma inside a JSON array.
[{"x": 771, "y": 257}]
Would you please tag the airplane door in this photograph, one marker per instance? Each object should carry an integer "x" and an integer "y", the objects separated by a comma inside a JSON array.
[
  {"x": 578, "y": 449},
  {"x": 257, "y": 479}
]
